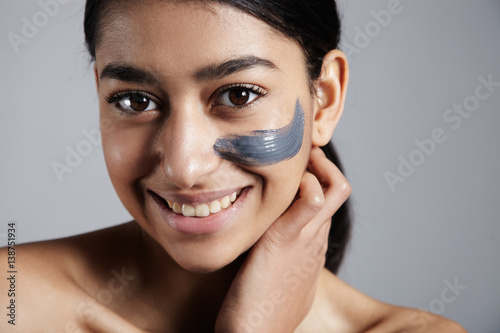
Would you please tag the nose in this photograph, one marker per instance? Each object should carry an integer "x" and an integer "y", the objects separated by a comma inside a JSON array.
[{"x": 186, "y": 145}]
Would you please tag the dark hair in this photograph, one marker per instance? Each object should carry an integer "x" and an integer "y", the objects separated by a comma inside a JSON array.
[{"x": 315, "y": 25}]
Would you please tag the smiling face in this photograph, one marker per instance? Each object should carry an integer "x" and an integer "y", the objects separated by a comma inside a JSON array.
[{"x": 173, "y": 78}]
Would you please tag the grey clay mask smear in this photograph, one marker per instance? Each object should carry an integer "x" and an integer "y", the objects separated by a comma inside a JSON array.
[{"x": 264, "y": 147}]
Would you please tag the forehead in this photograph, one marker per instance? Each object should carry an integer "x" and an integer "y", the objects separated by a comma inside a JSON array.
[{"x": 181, "y": 35}]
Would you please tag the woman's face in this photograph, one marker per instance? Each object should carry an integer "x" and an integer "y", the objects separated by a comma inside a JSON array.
[{"x": 198, "y": 73}]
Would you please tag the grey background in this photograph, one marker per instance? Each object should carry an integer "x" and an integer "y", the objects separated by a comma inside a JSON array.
[{"x": 441, "y": 224}]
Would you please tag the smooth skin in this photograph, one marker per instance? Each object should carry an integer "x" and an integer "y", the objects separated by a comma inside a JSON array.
[{"x": 144, "y": 276}]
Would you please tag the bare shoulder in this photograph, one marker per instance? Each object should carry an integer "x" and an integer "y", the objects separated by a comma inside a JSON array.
[
  {"x": 341, "y": 307},
  {"x": 407, "y": 320},
  {"x": 48, "y": 284}
]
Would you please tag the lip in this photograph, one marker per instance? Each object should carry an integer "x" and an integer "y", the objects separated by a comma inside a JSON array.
[
  {"x": 199, "y": 225},
  {"x": 196, "y": 198}
]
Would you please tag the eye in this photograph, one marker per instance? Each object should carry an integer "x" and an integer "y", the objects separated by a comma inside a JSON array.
[
  {"x": 239, "y": 95},
  {"x": 132, "y": 101}
]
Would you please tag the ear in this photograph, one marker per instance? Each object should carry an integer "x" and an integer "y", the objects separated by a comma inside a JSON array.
[{"x": 331, "y": 88}]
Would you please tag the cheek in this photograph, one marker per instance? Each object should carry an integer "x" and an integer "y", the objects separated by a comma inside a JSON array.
[
  {"x": 280, "y": 185},
  {"x": 126, "y": 155},
  {"x": 281, "y": 180},
  {"x": 265, "y": 147}
]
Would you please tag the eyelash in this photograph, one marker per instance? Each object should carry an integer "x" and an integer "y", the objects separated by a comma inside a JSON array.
[
  {"x": 255, "y": 89},
  {"x": 117, "y": 97}
]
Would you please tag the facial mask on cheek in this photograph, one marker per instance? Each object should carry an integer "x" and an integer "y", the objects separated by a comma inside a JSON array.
[{"x": 264, "y": 147}]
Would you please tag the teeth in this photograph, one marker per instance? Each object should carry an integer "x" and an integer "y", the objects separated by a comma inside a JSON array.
[
  {"x": 188, "y": 210},
  {"x": 224, "y": 203},
  {"x": 177, "y": 208},
  {"x": 215, "y": 207},
  {"x": 204, "y": 210}
]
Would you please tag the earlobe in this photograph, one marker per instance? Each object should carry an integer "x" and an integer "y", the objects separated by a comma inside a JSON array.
[{"x": 331, "y": 88}]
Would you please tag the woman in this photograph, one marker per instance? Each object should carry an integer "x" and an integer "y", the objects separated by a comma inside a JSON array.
[{"x": 211, "y": 115}]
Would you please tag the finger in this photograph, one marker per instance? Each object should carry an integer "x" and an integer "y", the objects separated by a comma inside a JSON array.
[
  {"x": 335, "y": 186},
  {"x": 321, "y": 166},
  {"x": 318, "y": 243},
  {"x": 302, "y": 211},
  {"x": 324, "y": 234}
]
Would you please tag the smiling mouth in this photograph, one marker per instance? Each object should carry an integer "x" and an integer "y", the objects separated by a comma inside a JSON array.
[{"x": 204, "y": 209}]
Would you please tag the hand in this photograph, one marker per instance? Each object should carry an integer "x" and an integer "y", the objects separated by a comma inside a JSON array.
[{"x": 276, "y": 285}]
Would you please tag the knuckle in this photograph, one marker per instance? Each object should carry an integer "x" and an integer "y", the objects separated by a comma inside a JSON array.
[
  {"x": 273, "y": 242},
  {"x": 277, "y": 237},
  {"x": 314, "y": 198},
  {"x": 315, "y": 202},
  {"x": 345, "y": 189}
]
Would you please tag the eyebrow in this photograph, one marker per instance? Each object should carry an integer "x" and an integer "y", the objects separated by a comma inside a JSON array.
[
  {"x": 132, "y": 74},
  {"x": 226, "y": 68},
  {"x": 128, "y": 73}
]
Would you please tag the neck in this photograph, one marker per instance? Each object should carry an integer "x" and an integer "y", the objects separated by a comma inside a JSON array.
[{"x": 179, "y": 297}]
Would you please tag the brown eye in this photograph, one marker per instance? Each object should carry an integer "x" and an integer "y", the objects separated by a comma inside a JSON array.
[
  {"x": 235, "y": 96},
  {"x": 138, "y": 102},
  {"x": 239, "y": 96},
  {"x": 133, "y": 102}
]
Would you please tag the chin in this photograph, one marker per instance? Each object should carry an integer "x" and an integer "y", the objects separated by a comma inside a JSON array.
[
  {"x": 208, "y": 259},
  {"x": 202, "y": 269},
  {"x": 205, "y": 266}
]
